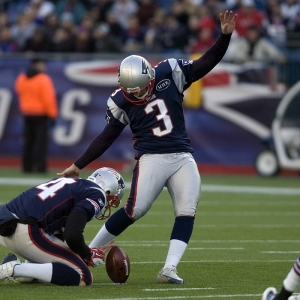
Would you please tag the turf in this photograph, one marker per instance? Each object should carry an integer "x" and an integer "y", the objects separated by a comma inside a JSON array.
[{"x": 246, "y": 238}]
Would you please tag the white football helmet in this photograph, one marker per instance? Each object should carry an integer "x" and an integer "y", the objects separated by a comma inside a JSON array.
[
  {"x": 113, "y": 185},
  {"x": 136, "y": 76}
]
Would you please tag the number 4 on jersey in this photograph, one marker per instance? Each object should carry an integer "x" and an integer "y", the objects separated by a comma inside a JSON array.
[{"x": 50, "y": 188}]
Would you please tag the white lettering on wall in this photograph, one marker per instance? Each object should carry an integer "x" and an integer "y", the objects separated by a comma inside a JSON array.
[
  {"x": 70, "y": 135},
  {"x": 5, "y": 102}
]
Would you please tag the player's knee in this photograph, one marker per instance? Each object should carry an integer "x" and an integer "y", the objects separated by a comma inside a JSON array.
[
  {"x": 82, "y": 283},
  {"x": 65, "y": 275},
  {"x": 188, "y": 212},
  {"x": 2, "y": 241},
  {"x": 135, "y": 214}
]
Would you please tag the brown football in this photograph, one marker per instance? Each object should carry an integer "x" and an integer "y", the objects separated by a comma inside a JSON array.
[{"x": 117, "y": 265}]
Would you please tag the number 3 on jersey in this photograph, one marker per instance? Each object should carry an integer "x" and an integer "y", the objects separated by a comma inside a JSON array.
[
  {"x": 50, "y": 188},
  {"x": 163, "y": 115}
]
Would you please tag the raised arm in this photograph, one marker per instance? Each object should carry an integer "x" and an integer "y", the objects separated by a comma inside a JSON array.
[{"x": 214, "y": 55}]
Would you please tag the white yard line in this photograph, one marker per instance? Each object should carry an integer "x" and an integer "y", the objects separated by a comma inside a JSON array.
[
  {"x": 280, "y": 252},
  {"x": 205, "y": 187},
  {"x": 230, "y": 261},
  {"x": 158, "y": 242},
  {"x": 183, "y": 297},
  {"x": 178, "y": 289}
]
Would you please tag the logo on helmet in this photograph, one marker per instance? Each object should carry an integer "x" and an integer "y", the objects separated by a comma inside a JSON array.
[
  {"x": 163, "y": 84},
  {"x": 144, "y": 68}
]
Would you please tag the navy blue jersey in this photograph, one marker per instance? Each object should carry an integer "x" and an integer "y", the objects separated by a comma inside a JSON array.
[
  {"x": 159, "y": 125},
  {"x": 50, "y": 203}
]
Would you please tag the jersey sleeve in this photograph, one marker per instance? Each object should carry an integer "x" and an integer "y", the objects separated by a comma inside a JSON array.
[
  {"x": 99, "y": 145},
  {"x": 182, "y": 73},
  {"x": 115, "y": 115},
  {"x": 92, "y": 202}
]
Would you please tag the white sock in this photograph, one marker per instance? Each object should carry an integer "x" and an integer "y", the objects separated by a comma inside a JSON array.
[
  {"x": 41, "y": 272},
  {"x": 292, "y": 281},
  {"x": 101, "y": 238},
  {"x": 175, "y": 252}
]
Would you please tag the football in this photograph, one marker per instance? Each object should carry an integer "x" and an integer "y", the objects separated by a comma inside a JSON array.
[{"x": 117, "y": 265}]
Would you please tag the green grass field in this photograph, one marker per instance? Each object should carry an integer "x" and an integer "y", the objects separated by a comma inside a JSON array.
[{"x": 246, "y": 238}]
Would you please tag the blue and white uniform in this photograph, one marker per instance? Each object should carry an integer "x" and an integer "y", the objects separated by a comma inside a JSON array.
[
  {"x": 59, "y": 207},
  {"x": 161, "y": 142},
  {"x": 163, "y": 151}
]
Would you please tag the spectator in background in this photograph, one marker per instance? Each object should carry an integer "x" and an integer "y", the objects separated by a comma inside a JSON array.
[
  {"x": 275, "y": 26},
  {"x": 179, "y": 12},
  {"x": 233, "y": 4},
  {"x": 84, "y": 41},
  {"x": 190, "y": 6},
  {"x": 108, "y": 35},
  {"x": 213, "y": 7},
  {"x": 205, "y": 40},
  {"x": 146, "y": 12},
  {"x": 67, "y": 21},
  {"x": 23, "y": 29},
  {"x": 40, "y": 9},
  {"x": 101, "y": 9},
  {"x": 248, "y": 16},
  {"x": 73, "y": 7},
  {"x": 236, "y": 4},
  {"x": 289, "y": 10},
  {"x": 64, "y": 40},
  {"x": 293, "y": 34},
  {"x": 133, "y": 36},
  {"x": 87, "y": 23},
  {"x": 4, "y": 19},
  {"x": 39, "y": 42},
  {"x": 51, "y": 24},
  {"x": 152, "y": 43},
  {"x": 123, "y": 9},
  {"x": 16, "y": 7},
  {"x": 173, "y": 36},
  {"x": 193, "y": 28},
  {"x": 253, "y": 47},
  {"x": 37, "y": 103},
  {"x": 7, "y": 44},
  {"x": 205, "y": 18}
]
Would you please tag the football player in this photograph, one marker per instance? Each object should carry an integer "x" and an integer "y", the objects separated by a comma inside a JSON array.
[
  {"x": 45, "y": 225},
  {"x": 150, "y": 102},
  {"x": 290, "y": 284}
]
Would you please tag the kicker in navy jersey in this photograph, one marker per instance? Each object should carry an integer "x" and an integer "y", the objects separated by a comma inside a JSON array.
[
  {"x": 150, "y": 101},
  {"x": 159, "y": 125}
]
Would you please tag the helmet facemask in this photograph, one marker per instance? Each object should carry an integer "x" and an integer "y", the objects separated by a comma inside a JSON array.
[{"x": 113, "y": 201}]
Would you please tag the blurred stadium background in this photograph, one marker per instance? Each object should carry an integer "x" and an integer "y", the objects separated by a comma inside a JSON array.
[{"x": 229, "y": 113}]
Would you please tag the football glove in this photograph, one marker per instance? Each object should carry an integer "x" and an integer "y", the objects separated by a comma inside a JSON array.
[{"x": 97, "y": 257}]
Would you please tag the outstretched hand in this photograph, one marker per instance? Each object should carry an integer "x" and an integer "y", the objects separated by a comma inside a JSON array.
[
  {"x": 72, "y": 171},
  {"x": 227, "y": 22}
]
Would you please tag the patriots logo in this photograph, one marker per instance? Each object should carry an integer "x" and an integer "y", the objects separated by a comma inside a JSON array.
[{"x": 144, "y": 68}]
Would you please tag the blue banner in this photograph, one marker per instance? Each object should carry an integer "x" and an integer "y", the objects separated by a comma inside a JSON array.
[{"x": 235, "y": 115}]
